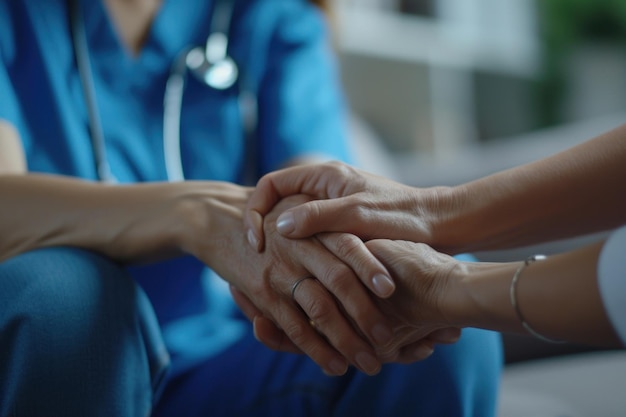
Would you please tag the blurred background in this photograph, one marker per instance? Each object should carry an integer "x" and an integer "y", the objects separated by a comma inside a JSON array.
[
  {"x": 429, "y": 78},
  {"x": 445, "y": 91}
]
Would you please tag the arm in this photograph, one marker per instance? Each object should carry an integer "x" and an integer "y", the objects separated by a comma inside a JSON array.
[
  {"x": 559, "y": 297},
  {"x": 147, "y": 222},
  {"x": 574, "y": 192},
  {"x": 154, "y": 221}
]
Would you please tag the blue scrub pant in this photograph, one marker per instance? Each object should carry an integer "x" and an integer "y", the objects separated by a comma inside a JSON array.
[{"x": 78, "y": 337}]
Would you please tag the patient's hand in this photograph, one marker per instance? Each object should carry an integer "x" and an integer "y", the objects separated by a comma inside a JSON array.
[
  {"x": 412, "y": 309},
  {"x": 331, "y": 318},
  {"x": 417, "y": 311}
]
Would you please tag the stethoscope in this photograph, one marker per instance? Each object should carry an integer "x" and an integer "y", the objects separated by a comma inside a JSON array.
[{"x": 210, "y": 64}]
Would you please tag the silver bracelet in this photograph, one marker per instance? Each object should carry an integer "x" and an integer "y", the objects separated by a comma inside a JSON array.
[{"x": 513, "y": 294}]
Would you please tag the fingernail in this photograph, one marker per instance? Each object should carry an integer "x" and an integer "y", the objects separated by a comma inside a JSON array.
[
  {"x": 382, "y": 334},
  {"x": 254, "y": 242},
  {"x": 367, "y": 362},
  {"x": 383, "y": 285},
  {"x": 285, "y": 223},
  {"x": 337, "y": 367}
]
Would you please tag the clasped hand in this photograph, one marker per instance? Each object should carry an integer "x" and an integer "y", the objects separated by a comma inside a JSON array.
[
  {"x": 335, "y": 318},
  {"x": 424, "y": 282},
  {"x": 332, "y": 318}
]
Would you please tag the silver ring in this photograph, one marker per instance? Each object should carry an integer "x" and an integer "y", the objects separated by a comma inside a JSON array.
[{"x": 295, "y": 285}]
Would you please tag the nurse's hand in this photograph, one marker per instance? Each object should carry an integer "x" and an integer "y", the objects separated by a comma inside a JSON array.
[
  {"x": 347, "y": 200},
  {"x": 331, "y": 318}
]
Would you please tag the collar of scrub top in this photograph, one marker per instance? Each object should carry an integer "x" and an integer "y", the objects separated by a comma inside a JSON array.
[{"x": 211, "y": 65}]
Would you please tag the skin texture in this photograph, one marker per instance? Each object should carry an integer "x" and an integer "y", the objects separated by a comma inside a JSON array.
[
  {"x": 572, "y": 193},
  {"x": 151, "y": 222},
  {"x": 132, "y": 20},
  {"x": 494, "y": 212},
  {"x": 436, "y": 290},
  {"x": 352, "y": 251}
]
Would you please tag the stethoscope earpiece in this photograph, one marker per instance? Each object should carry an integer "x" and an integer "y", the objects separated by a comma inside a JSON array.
[{"x": 212, "y": 66}]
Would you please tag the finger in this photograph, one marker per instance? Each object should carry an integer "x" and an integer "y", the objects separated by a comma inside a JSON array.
[
  {"x": 269, "y": 190},
  {"x": 340, "y": 279},
  {"x": 245, "y": 305},
  {"x": 335, "y": 215},
  {"x": 305, "y": 337},
  {"x": 266, "y": 332},
  {"x": 352, "y": 251},
  {"x": 317, "y": 180},
  {"x": 253, "y": 222},
  {"x": 322, "y": 309},
  {"x": 447, "y": 335},
  {"x": 417, "y": 351}
]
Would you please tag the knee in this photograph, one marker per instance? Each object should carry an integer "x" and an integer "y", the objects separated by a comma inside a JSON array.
[
  {"x": 72, "y": 319},
  {"x": 68, "y": 296}
]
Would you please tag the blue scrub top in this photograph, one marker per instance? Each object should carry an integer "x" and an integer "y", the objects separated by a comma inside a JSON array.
[{"x": 283, "y": 53}]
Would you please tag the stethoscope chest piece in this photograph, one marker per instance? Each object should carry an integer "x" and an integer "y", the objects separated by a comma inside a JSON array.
[{"x": 212, "y": 65}]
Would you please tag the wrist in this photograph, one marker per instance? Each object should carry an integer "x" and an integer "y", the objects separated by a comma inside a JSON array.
[
  {"x": 207, "y": 214},
  {"x": 148, "y": 222},
  {"x": 437, "y": 212},
  {"x": 479, "y": 295}
]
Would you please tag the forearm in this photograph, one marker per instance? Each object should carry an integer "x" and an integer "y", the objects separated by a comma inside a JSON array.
[
  {"x": 127, "y": 223},
  {"x": 558, "y": 297},
  {"x": 575, "y": 192}
]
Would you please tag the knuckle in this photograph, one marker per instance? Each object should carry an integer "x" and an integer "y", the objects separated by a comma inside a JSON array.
[
  {"x": 358, "y": 211},
  {"x": 259, "y": 291},
  {"x": 310, "y": 214},
  {"x": 319, "y": 309},
  {"x": 297, "y": 332},
  {"x": 344, "y": 175},
  {"x": 347, "y": 246},
  {"x": 342, "y": 169},
  {"x": 337, "y": 166},
  {"x": 362, "y": 312},
  {"x": 337, "y": 278}
]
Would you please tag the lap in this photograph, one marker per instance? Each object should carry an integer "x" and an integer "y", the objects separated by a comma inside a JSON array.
[
  {"x": 246, "y": 379},
  {"x": 251, "y": 380},
  {"x": 72, "y": 321}
]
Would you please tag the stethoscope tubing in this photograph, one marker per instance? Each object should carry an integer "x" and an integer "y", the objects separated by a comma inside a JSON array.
[
  {"x": 79, "y": 39},
  {"x": 215, "y": 57},
  {"x": 172, "y": 113}
]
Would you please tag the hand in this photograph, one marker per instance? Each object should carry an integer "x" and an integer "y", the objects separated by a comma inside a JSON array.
[
  {"x": 268, "y": 333},
  {"x": 342, "y": 329},
  {"x": 349, "y": 201},
  {"x": 417, "y": 326},
  {"x": 425, "y": 288}
]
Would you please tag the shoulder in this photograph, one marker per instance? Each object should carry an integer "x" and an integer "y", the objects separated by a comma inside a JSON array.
[{"x": 265, "y": 31}]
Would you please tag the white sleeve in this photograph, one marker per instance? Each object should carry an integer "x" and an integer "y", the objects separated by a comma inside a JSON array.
[{"x": 612, "y": 280}]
